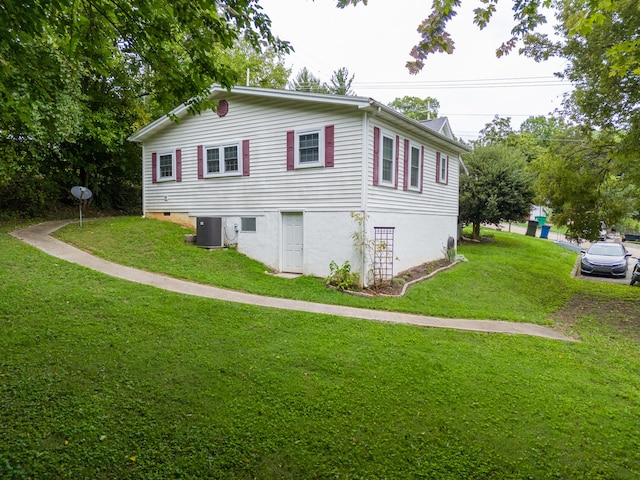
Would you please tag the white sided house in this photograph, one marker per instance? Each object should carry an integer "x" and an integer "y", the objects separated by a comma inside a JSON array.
[{"x": 279, "y": 174}]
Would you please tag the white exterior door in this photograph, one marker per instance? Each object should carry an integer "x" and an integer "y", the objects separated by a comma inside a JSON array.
[{"x": 292, "y": 242}]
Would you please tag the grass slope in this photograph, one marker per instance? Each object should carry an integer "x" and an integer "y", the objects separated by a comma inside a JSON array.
[
  {"x": 100, "y": 378},
  {"x": 475, "y": 289}
]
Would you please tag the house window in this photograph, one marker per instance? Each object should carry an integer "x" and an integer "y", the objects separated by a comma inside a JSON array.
[
  {"x": 223, "y": 160},
  {"x": 442, "y": 168},
  {"x": 248, "y": 224},
  {"x": 166, "y": 166},
  {"x": 387, "y": 159},
  {"x": 414, "y": 179},
  {"x": 309, "y": 148}
]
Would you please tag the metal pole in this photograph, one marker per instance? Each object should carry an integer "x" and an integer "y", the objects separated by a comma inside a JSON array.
[{"x": 80, "y": 213}]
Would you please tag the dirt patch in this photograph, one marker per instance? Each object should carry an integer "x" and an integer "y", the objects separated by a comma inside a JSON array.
[
  {"x": 483, "y": 240},
  {"x": 620, "y": 317}
]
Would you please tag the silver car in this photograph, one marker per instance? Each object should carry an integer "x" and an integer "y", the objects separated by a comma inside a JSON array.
[{"x": 605, "y": 258}]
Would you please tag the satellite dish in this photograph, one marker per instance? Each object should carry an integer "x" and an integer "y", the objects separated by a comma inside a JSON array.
[{"x": 81, "y": 193}]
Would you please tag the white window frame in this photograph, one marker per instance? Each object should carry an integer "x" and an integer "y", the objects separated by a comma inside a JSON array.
[
  {"x": 417, "y": 148},
  {"x": 242, "y": 224},
  {"x": 444, "y": 168},
  {"x": 223, "y": 169},
  {"x": 381, "y": 180},
  {"x": 159, "y": 177},
  {"x": 320, "y": 162}
]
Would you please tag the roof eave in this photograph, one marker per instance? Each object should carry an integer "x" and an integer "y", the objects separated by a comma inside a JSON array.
[{"x": 378, "y": 108}]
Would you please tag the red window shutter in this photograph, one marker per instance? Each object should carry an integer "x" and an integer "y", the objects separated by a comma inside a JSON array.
[
  {"x": 200, "y": 162},
  {"x": 178, "y": 165},
  {"x": 154, "y": 167},
  {"x": 290, "y": 149},
  {"x": 437, "y": 166},
  {"x": 376, "y": 154},
  {"x": 328, "y": 146},
  {"x": 397, "y": 160},
  {"x": 245, "y": 158},
  {"x": 407, "y": 172},
  {"x": 447, "y": 167},
  {"x": 421, "y": 166}
]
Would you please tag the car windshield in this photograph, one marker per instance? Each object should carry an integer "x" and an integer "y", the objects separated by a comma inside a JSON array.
[{"x": 612, "y": 250}]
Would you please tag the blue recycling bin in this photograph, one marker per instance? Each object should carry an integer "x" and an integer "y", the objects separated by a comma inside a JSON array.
[{"x": 545, "y": 231}]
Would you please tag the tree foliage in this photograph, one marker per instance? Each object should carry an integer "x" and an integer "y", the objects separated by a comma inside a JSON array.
[
  {"x": 580, "y": 182},
  {"x": 498, "y": 187},
  {"x": 434, "y": 38},
  {"x": 340, "y": 82},
  {"x": 305, "y": 81},
  {"x": 264, "y": 68},
  {"x": 601, "y": 50},
  {"x": 417, "y": 108},
  {"x": 77, "y": 78}
]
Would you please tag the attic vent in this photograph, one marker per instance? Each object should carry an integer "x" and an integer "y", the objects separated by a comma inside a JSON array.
[{"x": 209, "y": 232}]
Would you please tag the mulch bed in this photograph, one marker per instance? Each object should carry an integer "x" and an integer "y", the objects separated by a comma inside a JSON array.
[{"x": 395, "y": 286}]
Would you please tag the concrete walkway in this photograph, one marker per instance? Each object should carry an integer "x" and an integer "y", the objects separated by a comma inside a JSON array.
[{"x": 39, "y": 237}]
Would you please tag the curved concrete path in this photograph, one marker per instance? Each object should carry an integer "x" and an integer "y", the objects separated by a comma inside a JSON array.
[{"x": 39, "y": 237}]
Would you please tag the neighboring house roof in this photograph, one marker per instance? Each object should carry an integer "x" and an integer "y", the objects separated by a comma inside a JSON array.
[
  {"x": 362, "y": 103},
  {"x": 440, "y": 125}
]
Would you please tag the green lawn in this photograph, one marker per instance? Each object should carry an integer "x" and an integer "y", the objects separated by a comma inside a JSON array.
[
  {"x": 475, "y": 289},
  {"x": 101, "y": 378}
]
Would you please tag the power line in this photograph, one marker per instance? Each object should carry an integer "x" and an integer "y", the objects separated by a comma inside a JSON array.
[{"x": 460, "y": 84}]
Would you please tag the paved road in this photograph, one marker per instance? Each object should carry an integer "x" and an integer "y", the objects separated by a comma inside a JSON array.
[{"x": 39, "y": 237}]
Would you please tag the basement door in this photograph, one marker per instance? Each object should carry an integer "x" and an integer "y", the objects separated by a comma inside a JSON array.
[{"x": 292, "y": 242}]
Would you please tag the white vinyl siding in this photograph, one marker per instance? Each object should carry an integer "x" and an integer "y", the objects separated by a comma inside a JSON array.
[
  {"x": 265, "y": 123},
  {"x": 436, "y": 198}
]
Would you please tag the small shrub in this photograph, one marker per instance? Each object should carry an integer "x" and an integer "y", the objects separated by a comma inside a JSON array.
[{"x": 342, "y": 277}]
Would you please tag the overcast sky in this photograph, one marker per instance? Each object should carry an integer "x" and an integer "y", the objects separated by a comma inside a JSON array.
[{"x": 374, "y": 41}]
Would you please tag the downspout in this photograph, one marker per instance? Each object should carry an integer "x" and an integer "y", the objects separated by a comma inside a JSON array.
[
  {"x": 364, "y": 197},
  {"x": 144, "y": 205}
]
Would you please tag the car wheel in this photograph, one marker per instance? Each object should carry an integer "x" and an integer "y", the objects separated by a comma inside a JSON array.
[{"x": 634, "y": 279}]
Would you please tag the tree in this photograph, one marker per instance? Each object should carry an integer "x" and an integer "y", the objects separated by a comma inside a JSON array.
[
  {"x": 542, "y": 128},
  {"x": 77, "y": 79},
  {"x": 434, "y": 37},
  {"x": 499, "y": 130},
  {"x": 417, "y": 108},
  {"x": 579, "y": 182},
  {"x": 47, "y": 48},
  {"x": 264, "y": 68},
  {"x": 305, "y": 81},
  {"x": 498, "y": 187},
  {"x": 603, "y": 63},
  {"x": 340, "y": 82}
]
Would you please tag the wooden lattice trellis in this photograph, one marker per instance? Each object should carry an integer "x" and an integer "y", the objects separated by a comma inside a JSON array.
[{"x": 383, "y": 254}]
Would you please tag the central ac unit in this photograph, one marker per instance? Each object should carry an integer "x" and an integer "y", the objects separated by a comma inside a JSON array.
[{"x": 209, "y": 232}]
